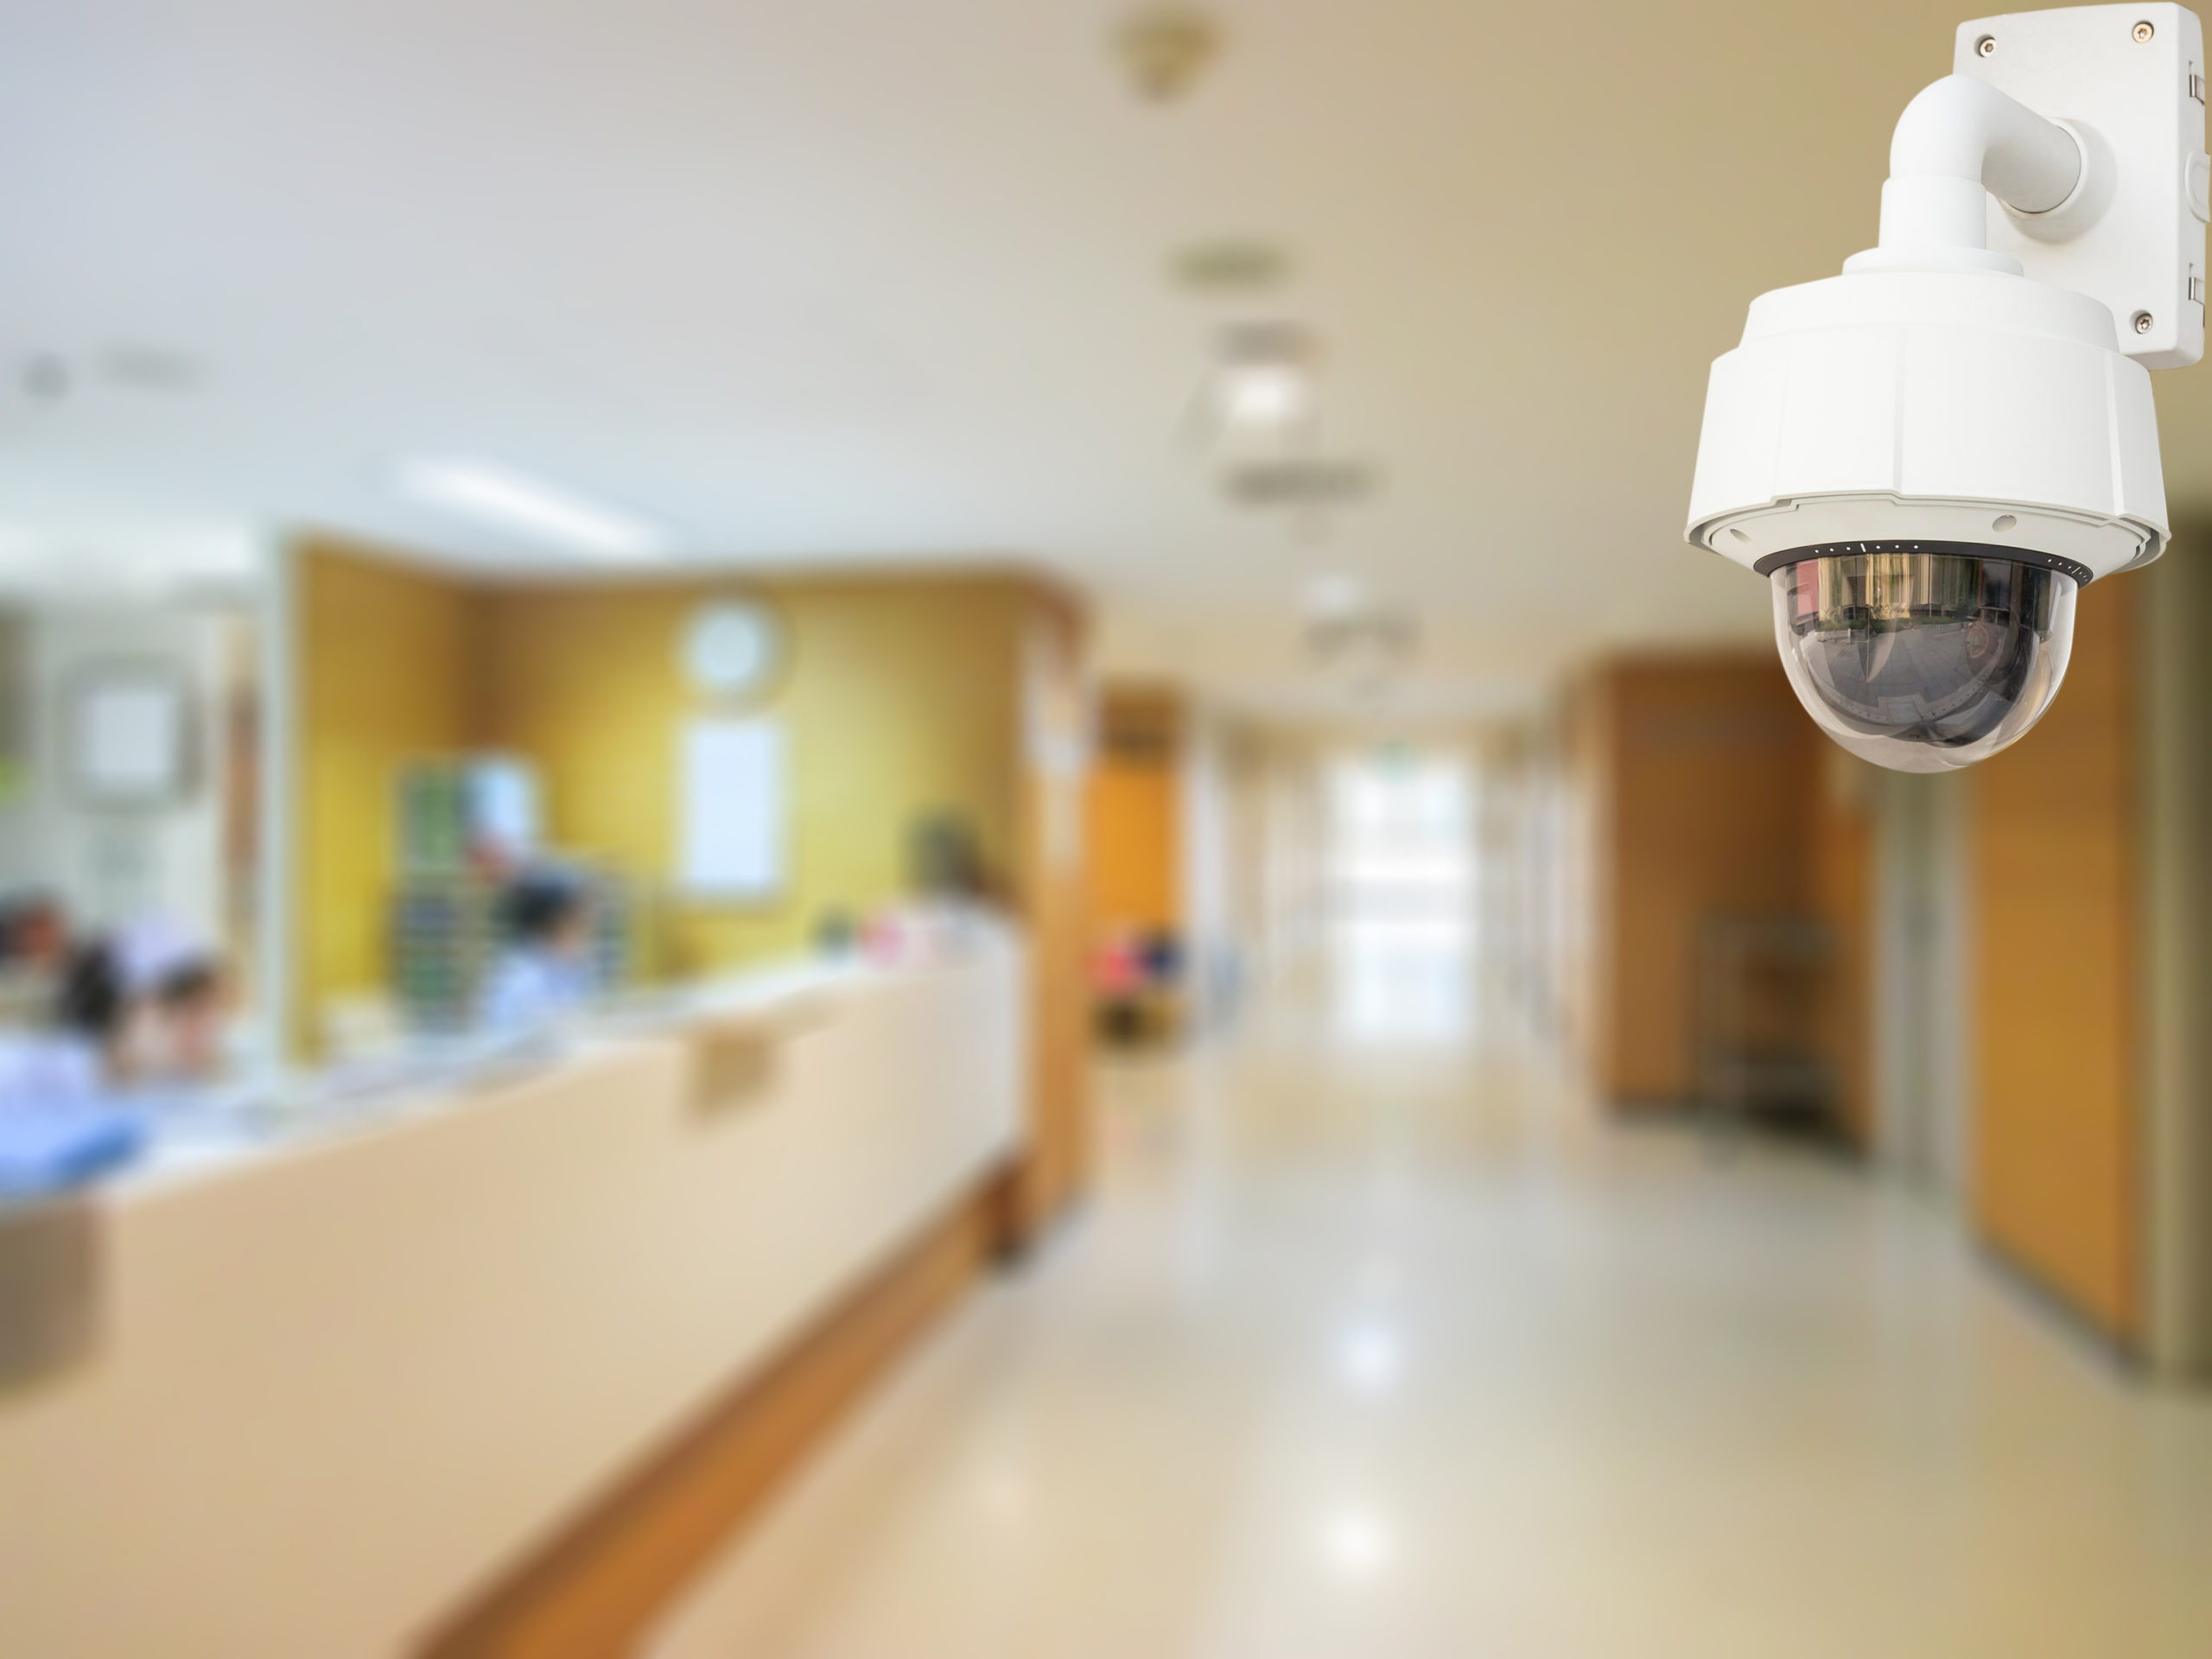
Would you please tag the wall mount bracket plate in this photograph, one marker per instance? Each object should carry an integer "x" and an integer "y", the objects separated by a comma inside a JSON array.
[{"x": 2130, "y": 81}]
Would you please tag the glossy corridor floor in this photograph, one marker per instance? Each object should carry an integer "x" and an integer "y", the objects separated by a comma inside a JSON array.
[{"x": 1373, "y": 1344}]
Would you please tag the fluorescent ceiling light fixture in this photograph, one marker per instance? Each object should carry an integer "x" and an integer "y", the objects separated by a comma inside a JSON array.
[{"x": 508, "y": 498}]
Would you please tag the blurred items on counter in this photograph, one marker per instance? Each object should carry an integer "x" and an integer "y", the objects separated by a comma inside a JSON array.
[{"x": 924, "y": 932}]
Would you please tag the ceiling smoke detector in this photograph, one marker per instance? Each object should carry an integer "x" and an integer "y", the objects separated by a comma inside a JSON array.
[{"x": 1166, "y": 48}]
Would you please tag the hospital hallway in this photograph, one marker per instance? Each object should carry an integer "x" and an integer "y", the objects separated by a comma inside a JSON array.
[
  {"x": 1375, "y": 1340},
  {"x": 1152, "y": 829}
]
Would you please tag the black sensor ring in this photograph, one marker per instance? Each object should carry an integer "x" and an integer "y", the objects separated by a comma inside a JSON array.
[{"x": 2082, "y": 573}]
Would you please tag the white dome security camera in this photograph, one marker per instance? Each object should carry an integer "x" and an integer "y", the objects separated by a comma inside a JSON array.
[{"x": 1928, "y": 455}]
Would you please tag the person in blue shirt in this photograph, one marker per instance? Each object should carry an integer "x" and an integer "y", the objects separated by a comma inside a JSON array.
[{"x": 545, "y": 970}]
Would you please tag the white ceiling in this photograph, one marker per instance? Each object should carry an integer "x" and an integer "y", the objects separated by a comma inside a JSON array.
[{"x": 871, "y": 280}]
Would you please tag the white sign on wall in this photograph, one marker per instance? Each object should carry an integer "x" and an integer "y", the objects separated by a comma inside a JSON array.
[
  {"x": 129, "y": 737},
  {"x": 731, "y": 813}
]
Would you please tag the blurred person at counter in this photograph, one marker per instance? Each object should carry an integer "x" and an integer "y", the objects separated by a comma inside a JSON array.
[
  {"x": 138, "y": 1017},
  {"x": 146, "y": 1009},
  {"x": 545, "y": 969},
  {"x": 34, "y": 949},
  {"x": 952, "y": 894},
  {"x": 33, "y": 933}
]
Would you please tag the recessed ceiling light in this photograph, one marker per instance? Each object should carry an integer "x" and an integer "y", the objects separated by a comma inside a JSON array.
[
  {"x": 1334, "y": 595},
  {"x": 1357, "y": 1543},
  {"x": 1264, "y": 395},
  {"x": 1263, "y": 375},
  {"x": 493, "y": 493}
]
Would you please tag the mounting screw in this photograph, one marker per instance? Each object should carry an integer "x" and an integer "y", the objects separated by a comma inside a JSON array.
[
  {"x": 2144, "y": 31},
  {"x": 1987, "y": 46},
  {"x": 2142, "y": 322}
]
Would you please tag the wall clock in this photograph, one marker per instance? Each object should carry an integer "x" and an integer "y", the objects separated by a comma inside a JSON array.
[{"x": 732, "y": 647}]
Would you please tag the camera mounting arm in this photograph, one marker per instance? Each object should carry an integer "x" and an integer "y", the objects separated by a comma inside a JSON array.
[
  {"x": 1959, "y": 143},
  {"x": 2067, "y": 146}
]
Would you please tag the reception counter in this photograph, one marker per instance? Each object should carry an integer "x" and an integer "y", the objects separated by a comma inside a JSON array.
[{"x": 338, "y": 1386}]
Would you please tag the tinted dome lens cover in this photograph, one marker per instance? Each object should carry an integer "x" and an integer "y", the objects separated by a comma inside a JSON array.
[{"x": 1923, "y": 662}]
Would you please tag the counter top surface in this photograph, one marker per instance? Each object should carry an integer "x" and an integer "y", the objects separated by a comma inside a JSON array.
[{"x": 206, "y": 1133}]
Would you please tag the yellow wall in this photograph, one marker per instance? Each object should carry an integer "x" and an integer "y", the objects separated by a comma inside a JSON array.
[
  {"x": 382, "y": 666},
  {"x": 902, "y": 698}
]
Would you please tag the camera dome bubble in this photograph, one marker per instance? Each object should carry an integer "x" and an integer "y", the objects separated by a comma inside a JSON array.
[{"x": 1923, "y": 661}]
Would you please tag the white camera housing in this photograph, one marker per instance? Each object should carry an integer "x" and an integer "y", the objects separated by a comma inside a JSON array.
[{"x": 1930, "y": 453}]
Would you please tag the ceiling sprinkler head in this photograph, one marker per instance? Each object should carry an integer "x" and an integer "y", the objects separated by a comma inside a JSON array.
[{"x": 1165, "y": 47}]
